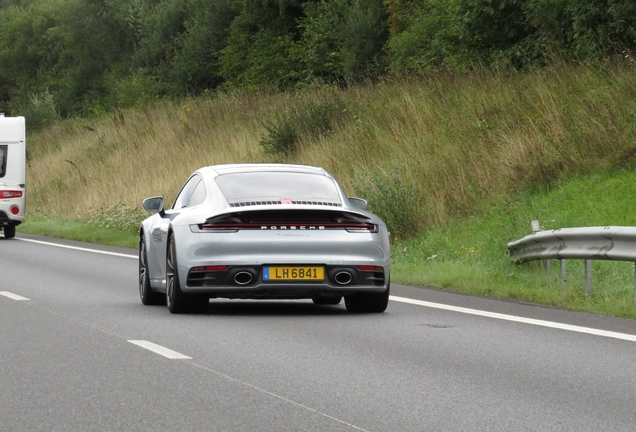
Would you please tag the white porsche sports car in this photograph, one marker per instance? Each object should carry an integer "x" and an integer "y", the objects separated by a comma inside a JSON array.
[{"x": 263, "y": 231}]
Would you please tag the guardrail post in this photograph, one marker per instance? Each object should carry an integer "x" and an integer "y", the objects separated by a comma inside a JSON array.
[
  {"x": 535, "y": 229},
  {"x": 535, "y": 226},
  {"x": 588, "y": 276},
  {"x": 563, "y": 279},
  {"x": 635, "y": 284}
]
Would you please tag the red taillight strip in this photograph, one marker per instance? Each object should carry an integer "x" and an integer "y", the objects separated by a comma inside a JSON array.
[
  {"x": 370, "y": 268},
  {"x": 211, "y": 268},
  {"x": 222, "y": 226},
  {"x": 10, "y": 194}
]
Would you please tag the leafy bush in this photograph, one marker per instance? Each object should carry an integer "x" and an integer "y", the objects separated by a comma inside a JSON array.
[
  {"x": 424, "y": 36},
  {"x": 261, "y": 48},
  {"x": 195, "y": 66},
  {"x": 601, "y": 26},
  {"x": 282, "y": 135},
  {"x": 308, "y": 119},
  {"x": 321, "y": 42},
  {"x": 39, "y": 111},
  {"x": 135, "y": 90},
  {"x": 363, "y": 37},
  {"x": 263, "y": 60},
  {"x": 392, "y": 196},
  {"x": 118, "y": 216},
  {"x": 343, "y": 40},
  {"x": 157, "y": 25}
]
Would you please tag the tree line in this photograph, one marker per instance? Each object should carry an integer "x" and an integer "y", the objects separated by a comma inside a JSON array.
[{"x": 85, "y": 57}]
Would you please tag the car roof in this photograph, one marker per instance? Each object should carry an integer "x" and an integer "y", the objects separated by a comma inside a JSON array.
[{"x": 264, "y": 167}]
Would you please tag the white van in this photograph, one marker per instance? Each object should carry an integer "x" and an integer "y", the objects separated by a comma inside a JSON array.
[{"x": 12, "y": 173}]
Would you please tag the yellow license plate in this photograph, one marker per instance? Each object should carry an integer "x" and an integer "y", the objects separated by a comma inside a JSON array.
[{"x": 293, "y": 273}]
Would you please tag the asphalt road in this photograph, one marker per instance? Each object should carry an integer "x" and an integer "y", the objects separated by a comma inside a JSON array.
[{"x": 79, "y": 352}]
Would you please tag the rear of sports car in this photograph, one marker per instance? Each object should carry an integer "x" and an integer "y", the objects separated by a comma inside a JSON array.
[{"x": 285, "y": 250}]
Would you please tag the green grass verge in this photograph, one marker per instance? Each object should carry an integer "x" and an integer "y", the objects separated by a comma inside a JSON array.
[
  {"x": 80, "y": 231},
  {"x": 471, "y": 255}
]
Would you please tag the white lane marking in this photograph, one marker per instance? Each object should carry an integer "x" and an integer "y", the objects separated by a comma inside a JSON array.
[
  {"x": 78, "y": 248},
  {"x": 158, "y": 349},
  {"x": 12, "y": 296},
  {"x": 531, "y": 321}
]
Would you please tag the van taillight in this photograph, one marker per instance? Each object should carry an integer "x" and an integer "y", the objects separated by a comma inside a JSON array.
[
  {"x": 10, "y": 194},
  {"x": 15, "y": 210}
]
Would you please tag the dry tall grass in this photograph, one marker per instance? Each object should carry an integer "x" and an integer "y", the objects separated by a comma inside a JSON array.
[{"x": 420, "y": 150}]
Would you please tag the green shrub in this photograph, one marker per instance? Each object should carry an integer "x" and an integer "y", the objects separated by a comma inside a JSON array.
[
  {"x": 195, "y": 66},
  {"x": 392, "y": 196},
  {"x": 136, "y": 90},
  {"x": 39, "y": 111},
  {"x": 343, "y": 40},
  {"x": 309, "y": 120},
  {"x": 118, "y": 216},
  {"x": 282, "y": 136}
]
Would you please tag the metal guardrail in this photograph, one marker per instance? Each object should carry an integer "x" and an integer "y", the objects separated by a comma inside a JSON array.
[{"x": 614, "y": 243}]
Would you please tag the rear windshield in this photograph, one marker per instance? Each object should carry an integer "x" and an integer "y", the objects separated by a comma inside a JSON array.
[
  {"x": 3, "y": 160},
  {"x": 277, "y": 186}
]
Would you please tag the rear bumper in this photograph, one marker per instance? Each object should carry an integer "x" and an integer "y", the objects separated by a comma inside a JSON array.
[
  {"x": 247, "y": 252},
  {"x": 9, "y": 219},
  {"x": 247, "y": 282},
  {"x": 278, "y": 292}
]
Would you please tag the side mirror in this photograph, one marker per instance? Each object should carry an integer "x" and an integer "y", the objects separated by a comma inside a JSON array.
[
  {"x": 358, "y": 203},
  {"x": 155, "y": 205}
]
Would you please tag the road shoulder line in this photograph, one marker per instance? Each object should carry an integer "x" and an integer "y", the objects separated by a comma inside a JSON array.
[
  {"x": 531, "y": 321},
  {"x": 78, "y": 248}
]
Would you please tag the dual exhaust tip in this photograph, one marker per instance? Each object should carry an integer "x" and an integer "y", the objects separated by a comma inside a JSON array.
[{"x": 245, "y": 278}]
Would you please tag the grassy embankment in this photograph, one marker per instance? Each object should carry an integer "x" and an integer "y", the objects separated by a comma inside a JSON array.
[{"x": 458, "y": 166}]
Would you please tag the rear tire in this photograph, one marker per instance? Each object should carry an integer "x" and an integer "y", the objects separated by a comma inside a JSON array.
[
  {"x": 368, "y": 302},
  {"x": 9, "y": 231},
  {"x": 176, "y": 300},
  {"x": 147, "y": 295}
]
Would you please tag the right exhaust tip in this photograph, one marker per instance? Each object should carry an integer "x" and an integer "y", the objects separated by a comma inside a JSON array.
[
  {"x": 343, "y": 278},
  {"x": 243, "y": 278}
]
